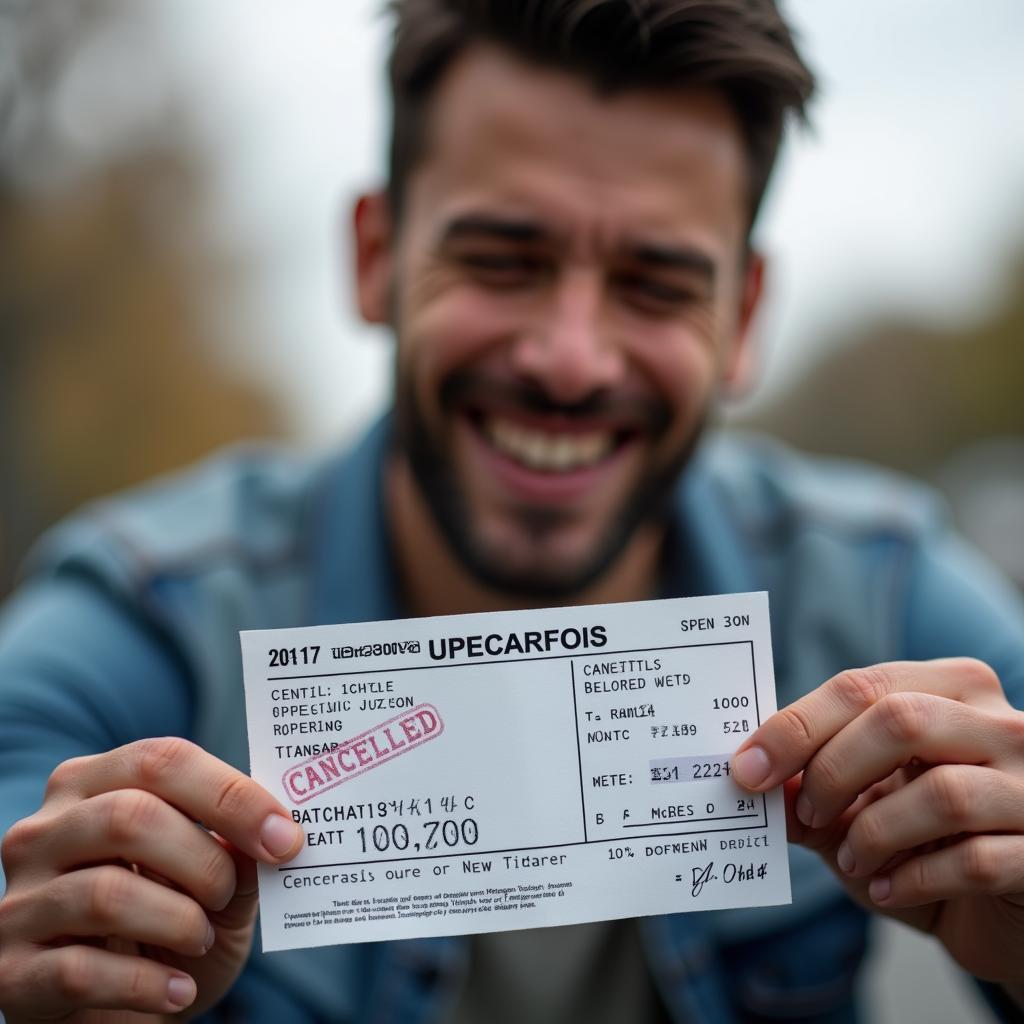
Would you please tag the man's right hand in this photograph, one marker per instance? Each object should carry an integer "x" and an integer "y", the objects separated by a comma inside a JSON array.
[{"x": 118, "y": 900}]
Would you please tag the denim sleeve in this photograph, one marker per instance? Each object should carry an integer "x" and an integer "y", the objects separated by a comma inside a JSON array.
[
  {"x": 958, "y": 605},
  {"x": 79, "y": 674}
]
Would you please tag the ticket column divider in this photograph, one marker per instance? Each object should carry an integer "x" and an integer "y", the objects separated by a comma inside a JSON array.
[{"x": 579, "y": 755}]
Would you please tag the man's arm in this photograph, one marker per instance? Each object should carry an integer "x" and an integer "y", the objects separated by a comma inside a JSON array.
[
  {"x": 79, "y": 674},
  {"x": 104, "y": 844}
]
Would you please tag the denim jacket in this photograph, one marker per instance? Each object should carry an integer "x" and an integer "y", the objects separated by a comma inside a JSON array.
[{"x": 146, "y": 594}]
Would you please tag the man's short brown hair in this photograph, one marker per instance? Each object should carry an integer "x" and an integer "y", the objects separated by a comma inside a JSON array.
[{"x": 742, "y": 48}]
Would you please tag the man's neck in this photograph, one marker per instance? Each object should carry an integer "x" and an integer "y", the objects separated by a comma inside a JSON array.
[{"x": 433, "y": 582}]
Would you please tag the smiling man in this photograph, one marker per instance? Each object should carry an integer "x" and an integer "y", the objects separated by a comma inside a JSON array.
[
  {"x": 570, "y": 280},
  {"x": 562, "y": 252},
  {"x": 571, "y": 286}
]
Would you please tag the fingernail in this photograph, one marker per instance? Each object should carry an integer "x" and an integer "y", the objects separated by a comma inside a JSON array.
[
  {"x": 805, "y": 810},
  {"x": 181, "y": 991},
  {"x": 211, "y": 937},
  {"x": 844, "y": 858},
  {"x": 880, "y": 889},
  {"x": 278, "y": 835},
  {"x": 751, "y": 767}
]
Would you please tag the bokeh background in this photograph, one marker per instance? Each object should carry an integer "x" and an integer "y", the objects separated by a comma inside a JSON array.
[{"x": 175, "y": 181}]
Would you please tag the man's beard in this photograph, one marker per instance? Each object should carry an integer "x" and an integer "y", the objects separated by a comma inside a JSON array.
[{"x": 434, "y": 473}]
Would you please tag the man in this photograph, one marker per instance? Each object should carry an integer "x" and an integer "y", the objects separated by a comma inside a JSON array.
[{"x": 563, "y": 255}]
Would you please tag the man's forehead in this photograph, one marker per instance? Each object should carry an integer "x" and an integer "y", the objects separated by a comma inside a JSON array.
[
  {"x": 491, "y": 88},
  {"x": 506, "y": 131}
]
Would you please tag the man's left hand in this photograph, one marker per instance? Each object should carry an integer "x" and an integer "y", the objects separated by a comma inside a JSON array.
[{"x": 908, "y": 779}]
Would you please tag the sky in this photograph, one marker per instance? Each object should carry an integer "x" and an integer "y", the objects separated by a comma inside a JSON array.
[{"x": 905, "y": 199}]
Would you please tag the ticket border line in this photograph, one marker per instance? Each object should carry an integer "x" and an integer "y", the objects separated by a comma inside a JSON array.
[
  {"x": 643, "y": 650},
  {"x": 514, "y": 661},
  {"x": 579, "y": 749},
  {"x": 691, "y": 821}
]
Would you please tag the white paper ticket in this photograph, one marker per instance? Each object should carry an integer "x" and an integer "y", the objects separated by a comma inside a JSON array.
[{"x": 479, "y": 773}]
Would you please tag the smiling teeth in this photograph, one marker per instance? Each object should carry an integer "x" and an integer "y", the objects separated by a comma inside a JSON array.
[{"x": 548, "y": 452}]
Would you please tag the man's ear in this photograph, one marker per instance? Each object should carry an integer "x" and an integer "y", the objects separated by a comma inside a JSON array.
[
  {"x": 373, "y": 232},
  {"x": 739, "y": 371}
]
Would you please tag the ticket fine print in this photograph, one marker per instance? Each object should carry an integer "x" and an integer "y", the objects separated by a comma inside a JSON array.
[{"x": 478, "y": 773}]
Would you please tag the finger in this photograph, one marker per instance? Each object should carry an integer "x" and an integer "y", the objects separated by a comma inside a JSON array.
[
  {"x": 107, "y": 901},
  {"x": 946, "y": 801},
  {"x": 245, "y": 900},
  {"x": 826, "y": 841},
  {"x": 83, "y": 977},
  {"x": 989, "y": 865},
  {"x": 234, "y": 925},
  {"x": 784, "y": 744},
  {"x": 795, "y": 828},
  {"x": 897, "y": 729},
  {"x": 130, "y": 825},
  {"x": 197, "y": 783}
]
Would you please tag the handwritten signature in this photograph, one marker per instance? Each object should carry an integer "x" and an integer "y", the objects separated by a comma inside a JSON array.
[{"x": 701, "y": 877}]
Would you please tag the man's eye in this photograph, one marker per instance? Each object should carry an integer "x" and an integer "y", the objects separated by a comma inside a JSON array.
[
  {"x": 653, "y": 295},
  {"x": 502, "y": 269}
]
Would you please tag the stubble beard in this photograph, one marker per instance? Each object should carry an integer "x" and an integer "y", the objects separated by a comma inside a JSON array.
[{"x": 434, "y": 474}]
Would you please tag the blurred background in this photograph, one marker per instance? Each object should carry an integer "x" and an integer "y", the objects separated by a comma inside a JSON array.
[{"x": 175, "y": 180}]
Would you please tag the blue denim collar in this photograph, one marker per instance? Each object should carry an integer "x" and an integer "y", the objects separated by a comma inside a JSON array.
[{"x": 355, "y": 580}]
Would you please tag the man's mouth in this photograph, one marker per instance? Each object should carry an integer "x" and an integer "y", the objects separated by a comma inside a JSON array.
[
  {"x": 547, "y": 447},
  {"x": 548, "y": 451}
]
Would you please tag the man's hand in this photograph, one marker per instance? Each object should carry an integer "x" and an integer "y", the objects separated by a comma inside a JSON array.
[
  {"x": 116, "y": 899},
  {"x": 913, "y": 792}
]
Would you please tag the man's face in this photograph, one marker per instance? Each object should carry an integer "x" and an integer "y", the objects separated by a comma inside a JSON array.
[{"x": 569, "y": 288}]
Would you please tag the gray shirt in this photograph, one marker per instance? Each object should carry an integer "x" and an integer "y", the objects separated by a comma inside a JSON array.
[{"x": 584, "y": 972}]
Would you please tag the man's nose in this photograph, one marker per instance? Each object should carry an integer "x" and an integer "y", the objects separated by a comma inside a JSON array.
[{"x": 570, "y": 349}]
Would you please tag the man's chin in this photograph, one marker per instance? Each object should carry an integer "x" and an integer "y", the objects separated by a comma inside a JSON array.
[
  {"x": 533, "y": 579},
  {"x": 536, "y": 560}
]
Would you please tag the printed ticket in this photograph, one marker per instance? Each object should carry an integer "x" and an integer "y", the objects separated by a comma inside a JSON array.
[{"x": 478, "y": 773}]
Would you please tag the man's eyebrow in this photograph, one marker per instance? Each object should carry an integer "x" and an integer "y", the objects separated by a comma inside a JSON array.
[
  {"x": 508, "y": 229},
  {"x": 674, "y": 258},
  {"x": 524, "y": 230}
]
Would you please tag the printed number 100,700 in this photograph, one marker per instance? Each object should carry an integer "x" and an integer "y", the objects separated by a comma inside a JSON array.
[{"x": 435, "y": 833}]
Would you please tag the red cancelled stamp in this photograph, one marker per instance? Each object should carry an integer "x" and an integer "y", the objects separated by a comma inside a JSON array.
[{"x": 353, "y": 757}]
